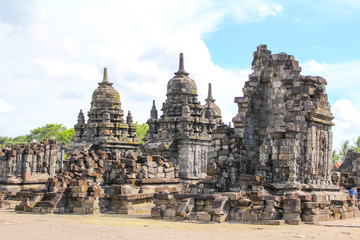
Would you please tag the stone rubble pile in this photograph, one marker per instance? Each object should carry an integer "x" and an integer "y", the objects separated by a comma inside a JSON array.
[
  {"x": 347, "y": 174},
  {"x": 27, "y": 166},
  {"x": 98, "y": 181},
  {"x": 256, "y": 207},
  {"x": 30, "y": 163}
]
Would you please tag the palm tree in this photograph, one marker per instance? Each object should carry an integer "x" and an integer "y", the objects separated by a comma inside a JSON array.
[
  {"x": 344, "y": 148},
  {"x": 357, "y": 144},
  {"x": 335, "y": 156}
]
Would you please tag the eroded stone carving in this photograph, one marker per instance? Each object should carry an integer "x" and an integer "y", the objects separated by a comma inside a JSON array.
[
  {"x": 183, "y": 132},
  {"x": 106, "y": 128}
]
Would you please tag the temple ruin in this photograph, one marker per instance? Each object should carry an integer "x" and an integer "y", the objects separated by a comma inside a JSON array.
[
  {"x": 273, "y": 166},
  {"x": 106, "y": 127},
  {"x": 184, "y": 132}
]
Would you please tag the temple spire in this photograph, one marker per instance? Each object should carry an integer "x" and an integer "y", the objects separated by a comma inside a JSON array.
[
  {"x": 105, "y": 80},
  {"x": 209, "y": 97},
  {"x": 129, "y": 118},
  {"x": 154, "y": 112},
  {"x": 181, "y": 70},
  {"x": 81, "y": 118}
]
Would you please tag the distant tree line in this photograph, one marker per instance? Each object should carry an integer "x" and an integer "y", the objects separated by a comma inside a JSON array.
[
  {"x": 49, "y": 131},
  {"x": 345, "y": 146},
  {"x": 57, "y": 132}
]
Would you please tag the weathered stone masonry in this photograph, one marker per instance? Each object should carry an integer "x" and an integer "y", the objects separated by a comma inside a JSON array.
[
  {"x": 183, "y": 132},
  {"x": 274, "y": 166},
  {"x": 283, "y": 126},
  {"x": 28, "y": 165},
  {"x": 106, "y": 127}
]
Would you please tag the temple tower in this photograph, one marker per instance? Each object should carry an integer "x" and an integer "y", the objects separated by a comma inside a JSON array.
[
  {"x": 106, "y": 127},
  {"x": 183, "y": 133},
  {"x": 284, "y": 122}
]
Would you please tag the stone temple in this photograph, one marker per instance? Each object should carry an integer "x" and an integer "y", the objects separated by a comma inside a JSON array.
[
  {"x": 273, "y": 166},
  {"x": 183, "y": 133},
  {"x": 106, "y": 127},
  {"x": 284, "y": 123}
]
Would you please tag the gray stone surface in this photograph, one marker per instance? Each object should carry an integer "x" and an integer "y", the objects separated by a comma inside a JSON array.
[
  {"x": 106, "y": 128},
  {"x": 183, "y": 133}
]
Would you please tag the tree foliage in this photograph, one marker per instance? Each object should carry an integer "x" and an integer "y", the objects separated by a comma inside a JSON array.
[
  {"x": 49, "y": 131},
  {"x": 141, "y": 130},
  {"x": 14, "y": 141},
  {"x": 357, "y": 144},
  {"x": 345, "y": 146},
  {"x": 335, "y": 156},
  {"x": 66, "y": 136}
]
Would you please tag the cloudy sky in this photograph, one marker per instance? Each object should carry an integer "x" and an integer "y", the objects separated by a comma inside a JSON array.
[{"x": 52, "y": 53}]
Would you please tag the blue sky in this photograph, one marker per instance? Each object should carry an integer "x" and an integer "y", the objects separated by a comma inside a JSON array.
[
  {"x": 325, "y": 32},
  {"x": 52, "y": 53}
]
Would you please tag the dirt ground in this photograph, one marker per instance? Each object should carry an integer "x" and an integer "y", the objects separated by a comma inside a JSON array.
[{"x": 15, "y": 225}]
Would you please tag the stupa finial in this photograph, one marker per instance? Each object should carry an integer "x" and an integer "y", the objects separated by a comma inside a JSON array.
[
  {"x": 181, "y": 70},
  {"x": 129, "y": 118},
  {"x": 154, "y": 112},
  {"x": 105, "y": 79},
  {"x": 209, "y": 97}
]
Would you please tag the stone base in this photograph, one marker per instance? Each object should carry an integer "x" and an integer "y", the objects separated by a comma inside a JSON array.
[
  {"x": 136, "y": 209},
  {"x": 9, "y": 204}
]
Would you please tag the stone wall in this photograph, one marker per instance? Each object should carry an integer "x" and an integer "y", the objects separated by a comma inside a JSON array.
[
  {"x": 282, "y": 130},
  {"x": 348, "y": 174},
  {"x": 30, "y": 163},
  {"x": 255, "y": 207},
  {"x": 104, "y": 181}
]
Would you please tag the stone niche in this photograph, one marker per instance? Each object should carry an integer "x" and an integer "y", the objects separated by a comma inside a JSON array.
[{"x": 284, "y": 122}]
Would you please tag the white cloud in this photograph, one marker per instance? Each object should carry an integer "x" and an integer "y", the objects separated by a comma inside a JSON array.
[
  {"x": 55, "y": 68},
  {"x": 252, "y": 11},
  {"x": 4, "y": 107},
  {"x": 343, "y": 92},
  {"x": 343, "y": 75},
  {"x": 53, "y": 53},
  {"x": 347, "y": 124},
  {"x": 343, "y": 79}
]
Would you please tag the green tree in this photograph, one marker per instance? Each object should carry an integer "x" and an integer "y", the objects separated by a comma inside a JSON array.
[
  {"x": 48, "y": 131},
  {"x": 344, "y": 148},
  {"x": 66, "y": 136},
  {"x": 335, "y": 156},
  {"x": 14, "y": 141},
  {"x": 141, "y": 130},
  {"x": 21, "y": 139},
  {"x": 57, "y": 132},
  {"x": 357, "y": 144},
  {"x": 4, "y": 140}
]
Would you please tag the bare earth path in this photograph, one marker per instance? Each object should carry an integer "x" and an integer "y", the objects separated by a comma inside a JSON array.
[{"x": 85, "y": 227}]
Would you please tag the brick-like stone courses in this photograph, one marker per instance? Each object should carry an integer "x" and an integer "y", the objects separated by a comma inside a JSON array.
[
  {"x": 256, "y": 207},
  {"x": 348, "y": 174},
  {"x": 283, "y": 126},
  {"x": 183, "y": 132},
  {"x": 27, "y": 168},
  {"x": 106, "y": 127},
  {"x": 272, "y": 167},
  {"x": 95, "y": 181},
  {"x": 30, "y": 163}
]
